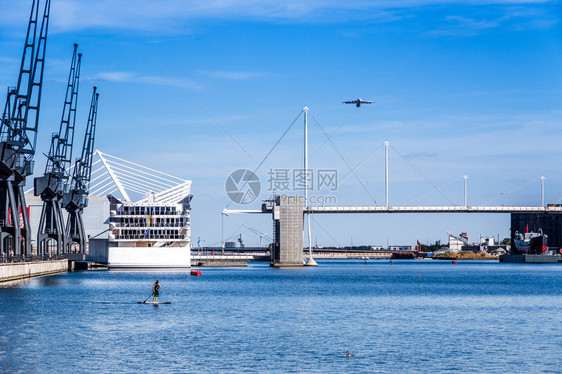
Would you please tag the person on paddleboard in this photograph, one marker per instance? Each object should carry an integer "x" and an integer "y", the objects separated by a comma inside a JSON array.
[{"x": 155, "y": 293}]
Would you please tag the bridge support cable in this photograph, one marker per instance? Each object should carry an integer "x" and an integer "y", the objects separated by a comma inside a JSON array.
[
  {"x": 199, "y": 104},
  {"x": 243, "y": 224},
  {"x": 235, "y": 232},
  {"x": 455, "y": 180},
  {"x": 344, "y": 159},
  {"x": 270, "y": 151},
  {"x": 326, "y": 231},
  {"x": 504, "y": 194},
  {"x": 277, "y": 143},
  {"x": 360, "y": 164},
  {"x": 556, "y": 187},
  {"x": 421, "y": 174}
]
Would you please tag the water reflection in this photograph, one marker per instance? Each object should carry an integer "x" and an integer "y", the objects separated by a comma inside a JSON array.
[
  {"x": 15, "y": 283},
  {"x": 49, "y": 281}
]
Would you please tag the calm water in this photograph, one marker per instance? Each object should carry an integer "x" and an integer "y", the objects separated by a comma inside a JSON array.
[{"x": 464, "y": 317}]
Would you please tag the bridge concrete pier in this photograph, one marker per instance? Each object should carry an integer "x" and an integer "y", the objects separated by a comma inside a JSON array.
[{"x": 288, "y": 231}]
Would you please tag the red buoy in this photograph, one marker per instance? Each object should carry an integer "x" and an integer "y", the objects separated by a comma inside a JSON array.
[
  {"x": 454, "y": 261},
  {"x": 196, "y": 272}
]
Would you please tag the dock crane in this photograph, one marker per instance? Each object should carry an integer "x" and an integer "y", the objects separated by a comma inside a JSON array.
[
  {"x": 54, "y": 182},
  {"x": 18, "y": 136},
  {"x": 76, "y": 199}
]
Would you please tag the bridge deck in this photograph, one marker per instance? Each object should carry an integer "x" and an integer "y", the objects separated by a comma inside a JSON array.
[
  {"x": 416, "y": 209},
  {"x": 434, "y": 209}
]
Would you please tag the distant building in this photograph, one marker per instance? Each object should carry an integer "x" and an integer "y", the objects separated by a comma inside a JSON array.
[
  {"x": 396, "y": 248},
  {"x": 456, "y": 242},
  {"x": 488, "y": 241}
]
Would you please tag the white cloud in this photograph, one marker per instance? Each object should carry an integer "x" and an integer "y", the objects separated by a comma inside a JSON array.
[
  {"x": 169, "y": 16},
  {"x": 132, "y": 77},
  {"x": 521, "y": 19}
]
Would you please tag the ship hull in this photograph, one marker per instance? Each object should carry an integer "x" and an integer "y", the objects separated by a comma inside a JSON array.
[
  {"x": 149, "y": 257},
  {"x": 533, "y": 245}
]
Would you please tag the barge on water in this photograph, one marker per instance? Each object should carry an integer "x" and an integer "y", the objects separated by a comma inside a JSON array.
[{"x": 531, "y": 258}]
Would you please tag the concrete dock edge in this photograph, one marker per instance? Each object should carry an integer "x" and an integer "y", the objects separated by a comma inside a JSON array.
[{"x": 15, "y": 271}]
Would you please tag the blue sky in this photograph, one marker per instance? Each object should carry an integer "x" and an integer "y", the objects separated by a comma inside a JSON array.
[{"x": 461, "y": 87}]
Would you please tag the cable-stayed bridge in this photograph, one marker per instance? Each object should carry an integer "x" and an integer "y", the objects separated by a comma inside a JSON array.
[{"x": 289, "y": 213}]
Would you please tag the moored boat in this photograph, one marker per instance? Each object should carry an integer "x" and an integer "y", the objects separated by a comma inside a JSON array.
[{"x": 531, "y": 242}]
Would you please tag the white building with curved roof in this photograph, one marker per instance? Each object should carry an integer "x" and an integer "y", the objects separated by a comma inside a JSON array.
[{"x": 155, "y": 230}]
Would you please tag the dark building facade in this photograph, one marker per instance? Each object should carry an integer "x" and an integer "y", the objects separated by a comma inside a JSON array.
[{"x": 550, "y": 224}]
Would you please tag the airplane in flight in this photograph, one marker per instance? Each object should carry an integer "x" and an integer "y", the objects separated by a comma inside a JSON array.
[{"x": 358, "y": 102}]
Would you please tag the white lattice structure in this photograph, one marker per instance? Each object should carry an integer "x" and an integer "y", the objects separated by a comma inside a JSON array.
[{"x": 123, "y": 179}]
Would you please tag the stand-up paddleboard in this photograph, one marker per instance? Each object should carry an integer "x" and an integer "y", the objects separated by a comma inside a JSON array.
[
  {"x": 114, "y": 302},
  {"x": 154, "y": 303}
]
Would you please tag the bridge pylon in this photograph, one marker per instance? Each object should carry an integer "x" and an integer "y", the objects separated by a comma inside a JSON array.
[{"x": 288, "y": 231}]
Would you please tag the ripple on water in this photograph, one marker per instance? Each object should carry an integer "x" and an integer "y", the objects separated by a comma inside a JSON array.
[{"x": 469, "y": 317}]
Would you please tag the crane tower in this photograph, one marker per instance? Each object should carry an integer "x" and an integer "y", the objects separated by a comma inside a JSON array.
[
  {"x": 76, "y": 199},
  {"x": 18, "y": 135},
  {"x": 54, "y": 182}
]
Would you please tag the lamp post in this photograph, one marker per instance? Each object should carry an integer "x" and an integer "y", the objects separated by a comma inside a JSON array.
[
  {"x": 386, "y": 144},
  {"x": 465, "y": 200},
  {"x": 542, "y": 190},
  {"x": 310, "y": 261}
]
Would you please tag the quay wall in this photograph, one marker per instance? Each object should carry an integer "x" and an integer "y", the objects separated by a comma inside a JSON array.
[
  {"x": 261, "y": 256},
  {"x": 349, "y": 255},
  {"x": 9, "y": 272}
]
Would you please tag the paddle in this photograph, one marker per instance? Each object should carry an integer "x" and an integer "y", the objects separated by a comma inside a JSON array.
[{"x": 148, "y": 297}]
